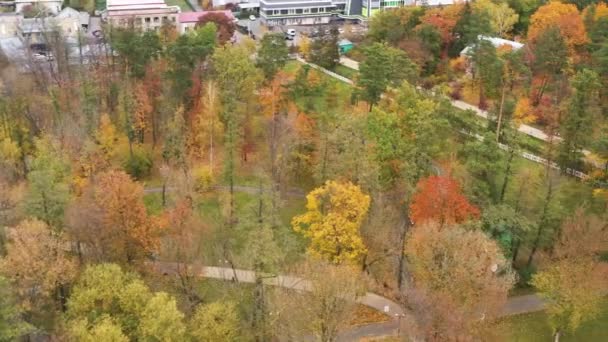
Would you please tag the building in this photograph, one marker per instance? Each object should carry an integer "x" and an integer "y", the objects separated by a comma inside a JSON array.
[
  {"x": 296, "y": 12},
  {"x": 369, "y": 7},
  {"x": 53, "y": 6},
  {"x": 143, "y": 14},
  {"x": 496, "y": 42},
  {"x": 188, "y": 20}
]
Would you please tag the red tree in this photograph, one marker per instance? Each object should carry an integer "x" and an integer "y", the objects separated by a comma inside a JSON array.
[
  {"x": 440, "y": 199},
  {"x": 225, "y": 26}
]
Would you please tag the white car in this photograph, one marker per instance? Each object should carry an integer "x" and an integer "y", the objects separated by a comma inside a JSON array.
[{"x": 252, "y": 17}]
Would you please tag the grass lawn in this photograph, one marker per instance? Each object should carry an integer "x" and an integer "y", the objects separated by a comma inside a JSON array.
[
  {"x": 535, "y": 327},
  {"x": 183, "y": 4},
  {"x": 346, "y": 71}
]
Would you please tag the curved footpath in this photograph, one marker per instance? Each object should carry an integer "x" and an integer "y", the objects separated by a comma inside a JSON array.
[{"x": 514, "y": 306}]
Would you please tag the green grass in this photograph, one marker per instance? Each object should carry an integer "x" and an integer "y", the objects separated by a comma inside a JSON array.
[
  {"x": 346, "y": 71},
  {"x": 535, "y": 327},
  {"x": 183, "y": 4}
]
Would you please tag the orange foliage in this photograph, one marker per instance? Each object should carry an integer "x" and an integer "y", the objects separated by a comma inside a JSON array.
[
  {"x": 273, "y": 97},
  {"x": 440, "y": 199},
  {"x": 444, "y": 19},
  {"x": 125, "y": 227},
  {"x": 524, "y": 113},
  {"x": 566, "y": 17}
]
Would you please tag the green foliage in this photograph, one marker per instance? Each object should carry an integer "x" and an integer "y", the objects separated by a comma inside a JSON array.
[
  {"x": 48, "y": 191},
  {"x": 138, "y": 163},
  {"x": 272, "y": 55},
  {"x": 550, "y": 53},
  {"x": 506, "y": 226},
  {"x": 187, "y": 52},
  {"x": 215, "y": 322},
  {"x": 12, "y": 325},
  {"x": 108, "y": 301},
  {"x": 484, "y": 160},
  {"x": 324, "y": 50},
  {"x": 579, "y": 119},
  {"x": 138, "y": 49},
  {"x": 470, "y": 25},
  {"x": 383, "y": 66}
]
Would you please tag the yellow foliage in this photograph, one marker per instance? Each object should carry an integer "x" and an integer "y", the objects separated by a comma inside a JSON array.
[
  {"x": 10, "y": 153},
  {"x": 565, "y": 16},
  {"x": 524, "y": 112},
  {"x": 334, "y": 214},
  {"x": 106, "y": 137},
  {"x": 601, "y": 11},
  {"x": 203, "y": 178},
  {"x": 304, "y": 46}
]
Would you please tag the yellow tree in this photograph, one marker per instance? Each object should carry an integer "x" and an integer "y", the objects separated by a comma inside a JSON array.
[
  {"x": 502, "y": 17},
  {"x": 576, "y": 279},
  {"x": 565, "y": 17},
  {"x": 37, "y": 262},
  {"x": 333, "y": 217},
  {"x": 304, "y": 47}
]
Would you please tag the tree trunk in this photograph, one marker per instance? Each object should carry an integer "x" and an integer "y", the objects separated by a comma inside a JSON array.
[
  {"x": 500, "y": 112},
  {"x": 505, "y": 182},
  {"x": 541, "y": 224},
  {"x": 557, "y": 335}
]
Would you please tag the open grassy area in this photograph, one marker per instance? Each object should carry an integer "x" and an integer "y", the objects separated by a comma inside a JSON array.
[
  {"x": 535, "y": 327},
  {"x": 346, "y": 71}
]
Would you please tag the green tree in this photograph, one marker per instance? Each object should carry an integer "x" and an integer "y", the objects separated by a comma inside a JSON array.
[
  {"x": 136, "y": 48},
  {"x": 471, "y": 24},
  {"x": 487, "y": 70},
  {"x": 508, "y": 227},
  {"x": 12, "y": 325},
  {"x": 272, "y": 55},
  {"x": 48, "y": 191},
  {"x": 383, "y": 66},
  {"x": 187, "y": 53},
  {"x": 324, "y": 50},
  {"x": 550, "y": 59},
  {"x": 237, "y": 78},
  {"x": 483, "y": 159},
  {"x": 105, "y": 292},
  {"x": 577, "y": 126},
  {"x": 215, "y": 322}
]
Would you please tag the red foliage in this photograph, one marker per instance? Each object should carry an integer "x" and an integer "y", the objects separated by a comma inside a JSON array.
[
  {"x": 225, "y": 26},
  {"x": 440, "y": 199}
]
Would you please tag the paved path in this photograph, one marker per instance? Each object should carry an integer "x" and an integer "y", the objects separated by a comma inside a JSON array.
[
  {"x": 529, "y": 130},
  {"x": 370, "y": 299},
  {"x": 514, "y": 306}
]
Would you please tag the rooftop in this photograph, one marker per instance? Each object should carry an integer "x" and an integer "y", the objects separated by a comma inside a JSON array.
[{"x": 192, "y": 17}]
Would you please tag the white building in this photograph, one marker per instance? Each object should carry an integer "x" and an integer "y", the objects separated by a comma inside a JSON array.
[
  {"x": 53, "y": 6},
  {"x": 143, "y": 14},
  {"x": 496, "y": 42},
  {"x": 296, "y": 12}
]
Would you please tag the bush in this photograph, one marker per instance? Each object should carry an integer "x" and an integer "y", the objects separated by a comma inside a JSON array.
[
  {"x": 203, "y": 178},
  {"x": 139, "y": 163}
]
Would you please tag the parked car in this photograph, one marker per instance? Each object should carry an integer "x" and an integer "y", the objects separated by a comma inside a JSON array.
[
  {"x": 290, "y": 34},
  {"x": 252, "y": 17}
]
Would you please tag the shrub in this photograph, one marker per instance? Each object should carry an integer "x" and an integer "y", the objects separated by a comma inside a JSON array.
[
  {"x": 203, "y": 178},
  {"x": 139, "y": 163}
]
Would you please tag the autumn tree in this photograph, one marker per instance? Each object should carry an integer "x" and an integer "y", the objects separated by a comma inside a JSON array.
[
  {"x": 217, "y": 321},
  {"x": 115, "y": 225},
  {"x": 443, "y": 19},
  {"x": 460, "y": 281},
  {"x": 383, "y": 66},
  {"x": 272, "y": 55},
  {"x": 105, "y": 292},
  {"x": 48, "y": 191},
  {"x": 36, "y": 259},
  {"x": 236, "y": 77},
  {"x": 334, "y": 214},
  {"x": 502, "y": 17},
  {"x": 12, "y": 325},
  {"x": 565, "y": 17},
  {"x": 440, "y": 199},
  {"x": 324, "y": 50},
  {"x": 574, "y": 281},
  {"x": 225, "y": 26},
  {"x": 326, "y": 304}
]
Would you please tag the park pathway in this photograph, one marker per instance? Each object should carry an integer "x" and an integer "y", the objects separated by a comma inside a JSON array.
[
  {"x": 525, "y": 129},
  {"x": 515, "y": 305}
]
